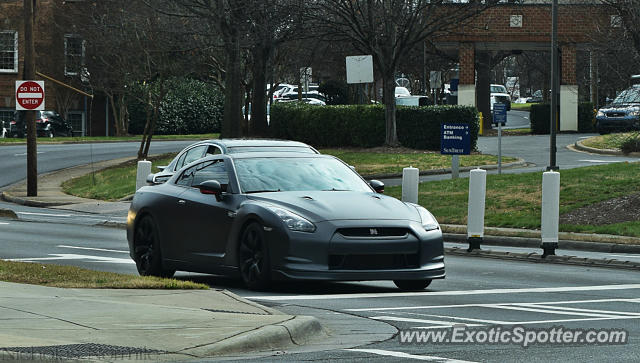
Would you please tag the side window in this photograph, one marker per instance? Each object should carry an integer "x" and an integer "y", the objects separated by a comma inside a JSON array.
[
  {"x": 213, "y": 150},
  {"x": 191, "y": 155},
  {"x": 212, "y": 170},
  {"x": 186, "y": 178}
]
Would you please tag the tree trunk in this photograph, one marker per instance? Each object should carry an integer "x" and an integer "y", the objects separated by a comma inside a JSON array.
[
  {"x": 259, "y": 126},
  {"x": 389, "y": 91},
  {"x": 232, "y": 120},
  {"x": 483, "y": 87}
]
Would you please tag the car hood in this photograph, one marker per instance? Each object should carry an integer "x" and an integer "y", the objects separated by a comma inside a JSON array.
[
  {"x": 500, "y": 94},
  {"x": 621, "y": 107},
  {"x": 318, "y": 206}
]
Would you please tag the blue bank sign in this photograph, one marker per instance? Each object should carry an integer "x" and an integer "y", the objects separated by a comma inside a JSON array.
[{"x": 455, "y": 139}]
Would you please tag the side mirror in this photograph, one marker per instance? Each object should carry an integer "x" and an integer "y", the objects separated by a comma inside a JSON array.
[
  {"x": 377, "y": 185},
  {"x": 211, "y": 187},
  {"x": 151, "y": 179}
]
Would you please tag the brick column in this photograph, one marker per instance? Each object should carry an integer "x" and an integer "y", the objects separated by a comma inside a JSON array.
[
  {"x": 467, "y": 75},
  {"x": 467, "y": 63},
  {"x": 568, "y": 89}
]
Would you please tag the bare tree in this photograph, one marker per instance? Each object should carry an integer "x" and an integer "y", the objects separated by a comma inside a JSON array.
[{"x": 388, "y": 29}]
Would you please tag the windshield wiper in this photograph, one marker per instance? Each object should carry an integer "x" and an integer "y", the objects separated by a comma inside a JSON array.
[{"x": 263, "y": 191}]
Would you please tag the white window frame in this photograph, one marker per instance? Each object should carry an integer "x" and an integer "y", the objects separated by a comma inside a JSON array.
[
  {"x": 15, "y": 52},
  {"x": 68, "y": 72}
]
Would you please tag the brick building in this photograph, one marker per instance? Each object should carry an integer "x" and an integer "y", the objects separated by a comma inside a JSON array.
[{"x": 60, "y": 56}]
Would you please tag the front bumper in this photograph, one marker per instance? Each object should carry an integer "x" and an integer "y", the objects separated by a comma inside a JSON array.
[
  {"x": 328, "y": 254},
  {"x": 618, "y": 123}
]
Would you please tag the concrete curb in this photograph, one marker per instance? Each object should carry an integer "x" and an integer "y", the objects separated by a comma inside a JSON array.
[
  {"x": 29, "y": 203},
  {"x": 520, "y": 162},
  {"x": 535, "y": 243},
  {"x": 580, "y": 146},
  {"x": 293, "y": 332},
  {"x": 537, "y": 258}
]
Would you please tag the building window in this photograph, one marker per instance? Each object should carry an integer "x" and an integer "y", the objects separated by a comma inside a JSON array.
[
  {"x": 8, "y": 52},
  {"x": 73, "y": 55},
  {"x": 6, "y": 116},
  {"x": 616, "y": 21},
  {"x": 76, "y": 119}
]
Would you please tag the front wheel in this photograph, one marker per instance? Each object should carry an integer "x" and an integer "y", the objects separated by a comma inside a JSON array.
[
  {"x": 148, "y": 257},
  {"x": 253, "y": 258},
  {"x": 412, "y": 285}
]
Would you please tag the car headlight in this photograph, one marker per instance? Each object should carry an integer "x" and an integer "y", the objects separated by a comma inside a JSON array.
[
  {"x": 293, "y": 221},
  {"x": 429, "y": 222},
  {"x": 600, "y": 114},
  {"x": 634, "y": 113}
]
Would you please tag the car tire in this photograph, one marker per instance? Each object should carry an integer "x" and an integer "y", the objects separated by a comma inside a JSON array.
[
  {"x": 148, "y": 254},
  {"x": 253, "y": 258},
  {"x": 412, "y": 285},
  {"x": 50, "y": 134}
]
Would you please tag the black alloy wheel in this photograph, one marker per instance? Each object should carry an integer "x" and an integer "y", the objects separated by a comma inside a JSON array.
[
  {"x": 253, "y": 258},
  {"x": 412, "y": 285},
  {"x": 148, "y": 257}
]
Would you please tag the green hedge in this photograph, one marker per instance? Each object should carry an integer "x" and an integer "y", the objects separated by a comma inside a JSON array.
[
  {"x": 364, "y": 125},
  {"x": 540, "y": 116},
  {"x": 188, "y": 107}
]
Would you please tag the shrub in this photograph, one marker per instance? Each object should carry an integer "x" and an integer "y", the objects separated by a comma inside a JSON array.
[
  {"x": 540, "y": 116},
  {"x": 188, "y": 107},
  {"x": 364, "y": 125},
  {"x": 631, "y": 143}
]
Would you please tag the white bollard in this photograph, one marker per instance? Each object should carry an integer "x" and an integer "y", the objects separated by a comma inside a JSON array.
[
  {"x": 410, "y": 181},
  {"x": 144, "y": 169},
  {"x": 475, "y": 210},
  {"x": 550, "y": 212}
]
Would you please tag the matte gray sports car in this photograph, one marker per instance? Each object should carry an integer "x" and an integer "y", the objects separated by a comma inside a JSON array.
[{"x": 274, "y": 216}]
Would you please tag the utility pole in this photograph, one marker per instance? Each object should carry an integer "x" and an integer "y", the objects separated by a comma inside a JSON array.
[
  {"x": 29, "y": 72},
  {"x": 555, "y": 85}
]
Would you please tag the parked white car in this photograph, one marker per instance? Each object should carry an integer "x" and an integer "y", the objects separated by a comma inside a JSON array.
[{"x": 499, "y": 94}]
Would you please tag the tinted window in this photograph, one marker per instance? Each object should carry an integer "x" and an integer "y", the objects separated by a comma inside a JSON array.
[
  {"x": 212, "y": 170},
  {"x": 191, "y": 155},
  {"x": 296, "y": 174},
  {"x": 498, "y": 89}
]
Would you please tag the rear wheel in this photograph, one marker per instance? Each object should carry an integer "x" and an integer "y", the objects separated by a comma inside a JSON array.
[
  {"x": 148, "y": 256},
  {"x": 412, "y": 285},
  {"x": 253, "y": 258}
]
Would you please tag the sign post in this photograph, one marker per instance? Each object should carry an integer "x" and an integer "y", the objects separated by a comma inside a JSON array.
[
  {"x": 455, "y": 139},
  {"x": 500, "y": 118}
]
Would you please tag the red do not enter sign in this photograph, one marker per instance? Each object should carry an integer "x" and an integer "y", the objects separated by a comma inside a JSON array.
[{"x": 29, "y": 95}]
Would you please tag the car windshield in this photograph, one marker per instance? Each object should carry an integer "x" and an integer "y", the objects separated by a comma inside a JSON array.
[
  {"x": 402, "y": 91},
  {"x": 296, "y": 174},
  {"x": 630, "y": 95},
  {"x": 498, "y": 89}
]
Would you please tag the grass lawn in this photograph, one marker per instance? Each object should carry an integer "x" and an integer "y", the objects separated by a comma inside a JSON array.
[
  {"x": 119, "y": 181},
  {"x": 521, "y": 106},
  {"x": 60, "y": 140},
  {"x": 514, "y": 200},
  {"x": 75, "y": 277},
  {"x": 609, "y": 141}
]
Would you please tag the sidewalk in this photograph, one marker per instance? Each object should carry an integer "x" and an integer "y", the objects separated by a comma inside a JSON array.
[{"x": 45, "y": 323}]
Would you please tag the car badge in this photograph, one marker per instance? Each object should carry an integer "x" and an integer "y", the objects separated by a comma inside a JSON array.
[{"x": 373, "y": 231}]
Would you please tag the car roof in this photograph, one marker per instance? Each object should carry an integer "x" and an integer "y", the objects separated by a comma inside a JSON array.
[
  {"x": 269, "y": 154},
  {"x": 253, "y": 142}
]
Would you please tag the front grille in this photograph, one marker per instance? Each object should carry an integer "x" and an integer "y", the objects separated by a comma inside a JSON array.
[
  {"x": 373, "y": 232},
  {"x": 616, "y": 114},
  {"x": 373, "y": 262},
  {"x": 502, "y": 99}
]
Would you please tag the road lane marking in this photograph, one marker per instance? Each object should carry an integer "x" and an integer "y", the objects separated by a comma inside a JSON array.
[
  {"x": 423, "y": 321},
  {"x": 4, "y": 223},
  {"x": 544, "y": 311},
  {"x": 627, "y": 256},
  {"x": 92, "y": 249},
  {"x": 448, "y": 293},
  {"x": 563, "y": 308},
  {"x": 25, "y": 154},
  {"x": 600, "y": 161},
  {"x": 390, "y": 353},
  {"x": 48, "y": 214},
  {"x": 65, "y": 256},
  {"x": 632, "y": 300}
]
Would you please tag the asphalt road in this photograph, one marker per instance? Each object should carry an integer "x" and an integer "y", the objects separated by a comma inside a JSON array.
[
  {"x": 365, "y": 317},
  {"x": 53, "y": 157}
]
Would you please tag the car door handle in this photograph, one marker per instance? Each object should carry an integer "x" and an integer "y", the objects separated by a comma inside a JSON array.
[{"x": 182, "y": 202}]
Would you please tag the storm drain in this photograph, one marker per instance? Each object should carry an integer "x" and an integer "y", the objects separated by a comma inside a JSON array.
[{"x": 80, "y": 351}]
